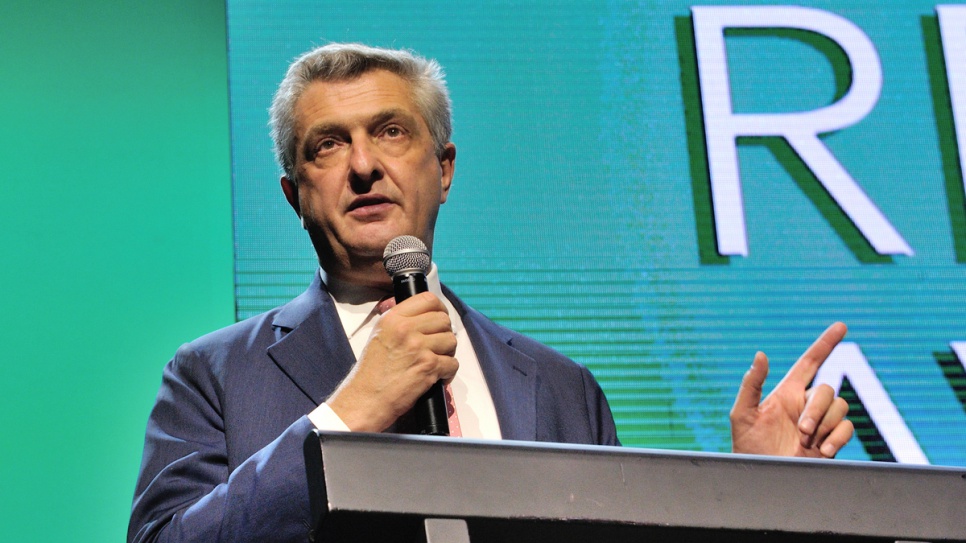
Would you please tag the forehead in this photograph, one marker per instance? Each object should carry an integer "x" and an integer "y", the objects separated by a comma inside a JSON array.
[{"x": 354, "y": 100}]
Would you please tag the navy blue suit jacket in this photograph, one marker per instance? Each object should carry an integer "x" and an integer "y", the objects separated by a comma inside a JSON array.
[{"x": 223, "y": 454}]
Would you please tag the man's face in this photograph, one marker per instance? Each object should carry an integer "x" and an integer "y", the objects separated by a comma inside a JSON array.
[{"x": 367, "y": 169}]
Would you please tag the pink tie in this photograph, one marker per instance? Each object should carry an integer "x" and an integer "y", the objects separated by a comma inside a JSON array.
[{"x": 453, "y": 419}]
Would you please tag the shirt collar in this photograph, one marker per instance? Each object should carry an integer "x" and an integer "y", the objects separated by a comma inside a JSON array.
[{"x": 356, "y": 304}]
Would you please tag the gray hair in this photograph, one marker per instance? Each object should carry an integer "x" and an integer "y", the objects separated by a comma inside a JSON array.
[{"x": 346, "y": 61}]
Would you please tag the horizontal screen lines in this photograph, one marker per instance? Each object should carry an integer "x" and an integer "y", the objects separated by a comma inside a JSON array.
[
  {"x": 302, "y": 278},
  {"x": 273, "y": 259},
  {"x": 718, "y": 380},
  {"x": 685, "y": 331},
  {"x": 643, "y": 288},
  {"x": 655, "y": 275},
  {"x": 641, "y": 399},
  {"x": 621, "y": 372},
  {"x": 712, "y": 312},
  {"x": 603, "y": 355},
  {"x": 595, "y": 319},
  {"x": 657, "y": 414},
  {"x": 603, "y": 347},
  {"x": 498, "y": 266},
  {"x": 266, "y": 290},
  {"x": 661, "y": 440}
]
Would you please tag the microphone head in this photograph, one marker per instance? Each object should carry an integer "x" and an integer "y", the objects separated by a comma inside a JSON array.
[{"x": 406, "y": 254}]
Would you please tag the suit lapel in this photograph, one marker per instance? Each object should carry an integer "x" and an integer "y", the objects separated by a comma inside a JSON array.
[
  {"x": 314, "y": 353},
  {"x": 510, "y": 374},
  {"x": 312, "y": 348}
]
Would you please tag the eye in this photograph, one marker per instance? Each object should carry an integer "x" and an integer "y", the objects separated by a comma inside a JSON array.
[
  {"x": 394, "y": 131},
  {"x": 326, "y": 144}
]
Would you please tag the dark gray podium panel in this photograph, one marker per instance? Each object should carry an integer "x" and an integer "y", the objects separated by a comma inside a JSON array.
[{"x": 373, "y": 487}]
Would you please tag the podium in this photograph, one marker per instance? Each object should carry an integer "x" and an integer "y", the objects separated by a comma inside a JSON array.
[{"x": 381, "y": 487}]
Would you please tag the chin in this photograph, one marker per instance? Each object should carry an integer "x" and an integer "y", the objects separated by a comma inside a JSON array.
[
  {"x": 378, "y": 238},
  {"x": 372, "y": 246}
]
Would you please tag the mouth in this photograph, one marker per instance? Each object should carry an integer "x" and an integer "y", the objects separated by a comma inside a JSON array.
[{"x": 369, "y": 204}]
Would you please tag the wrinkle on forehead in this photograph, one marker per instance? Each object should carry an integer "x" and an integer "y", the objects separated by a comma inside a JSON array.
[
  {"x": 353, "y": 101},
  {"x": 376, "y": 119}
]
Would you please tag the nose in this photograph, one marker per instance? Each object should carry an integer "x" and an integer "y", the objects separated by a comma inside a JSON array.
[{"x": 364, "y": 164}]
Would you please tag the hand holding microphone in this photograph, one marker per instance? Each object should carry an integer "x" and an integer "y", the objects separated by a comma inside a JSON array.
[
  {"x": 407, "y": 261},
  {"x": 411, "y": 349}
]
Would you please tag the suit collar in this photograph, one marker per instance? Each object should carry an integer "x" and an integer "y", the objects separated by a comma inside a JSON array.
[
  {"x": 315, "y": 354},
  {"x": 511, "y": 375},
  {"x": 311, "y": 348}
]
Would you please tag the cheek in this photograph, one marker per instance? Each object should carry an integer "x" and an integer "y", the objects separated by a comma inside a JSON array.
[
  {"x": 319, "y": 191},
  {"x": 431, "y": 177}
]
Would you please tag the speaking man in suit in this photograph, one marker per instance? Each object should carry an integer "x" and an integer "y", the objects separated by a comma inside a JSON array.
[{"x": 363, "y": 137}]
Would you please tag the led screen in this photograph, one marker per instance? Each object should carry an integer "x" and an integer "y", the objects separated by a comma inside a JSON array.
[{"x": 658, "y": 190}]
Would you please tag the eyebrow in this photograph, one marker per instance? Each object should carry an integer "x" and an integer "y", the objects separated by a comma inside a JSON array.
[
  {"x": 313, "y": 133},
  {"x": 389, "y": 114},
  {"x": 335, "y": 127},
  {"x": 377, "y": 119}
]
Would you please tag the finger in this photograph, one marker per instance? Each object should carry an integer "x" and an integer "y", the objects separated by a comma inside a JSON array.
[
  {"x": 425, "y": 315},
  {"x": 427, "y": 369},
  {"x": 819, "y": 399},
  {"x": 443, "y": 343},
  {"x": 424, "y": 302},
  {"x": 835, "y": 414},
  {"x": 804, "y": 370},
  {"x": 448, "y": 366},
  {"x": 749, "y": 393},
  {"x": 433, "y": 322},
  {"x": 837, "y": 439}
]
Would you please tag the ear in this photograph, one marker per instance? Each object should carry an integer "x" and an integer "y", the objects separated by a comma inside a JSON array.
[
  {"x": 291, "y": 190},
  {"x": 447, "y": 164}
]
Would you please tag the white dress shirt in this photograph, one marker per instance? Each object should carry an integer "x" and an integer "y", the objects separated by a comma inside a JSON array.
[{"x": 357, "y": 311}]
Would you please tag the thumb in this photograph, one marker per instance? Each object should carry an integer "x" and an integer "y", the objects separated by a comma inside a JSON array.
[{"x": 749, "y": 393}]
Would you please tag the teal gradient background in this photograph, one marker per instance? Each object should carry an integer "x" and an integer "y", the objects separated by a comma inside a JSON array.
[{"x": 115, "y": 217}]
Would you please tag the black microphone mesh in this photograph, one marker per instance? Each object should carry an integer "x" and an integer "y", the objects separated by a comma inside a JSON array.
[{"x": 406, "y": 253}]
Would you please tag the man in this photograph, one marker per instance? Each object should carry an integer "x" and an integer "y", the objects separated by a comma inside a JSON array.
[{"x": 362, "y": 135}]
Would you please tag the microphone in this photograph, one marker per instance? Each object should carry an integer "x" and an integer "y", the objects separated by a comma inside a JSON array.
[{"x": 407, "y": 261}]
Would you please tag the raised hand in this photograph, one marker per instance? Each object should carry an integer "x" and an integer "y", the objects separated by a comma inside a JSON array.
[{"x": 792, "y": 420}]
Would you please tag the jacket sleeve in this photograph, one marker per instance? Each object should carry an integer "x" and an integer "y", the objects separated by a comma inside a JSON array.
[
  {"x": 601, "y": 419},
  {"x": 186, "y": 490}
]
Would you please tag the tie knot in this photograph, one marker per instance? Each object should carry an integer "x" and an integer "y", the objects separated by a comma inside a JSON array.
[{"x": 385, "y": 304}]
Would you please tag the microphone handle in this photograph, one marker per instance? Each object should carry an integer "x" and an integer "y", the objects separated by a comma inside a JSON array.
[
  {"x": 430, "y": 408},
  {"x": 405, "y": 285}
]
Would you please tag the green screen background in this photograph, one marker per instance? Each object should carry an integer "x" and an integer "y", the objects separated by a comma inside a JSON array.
[{"x": 115, "y": 220}]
